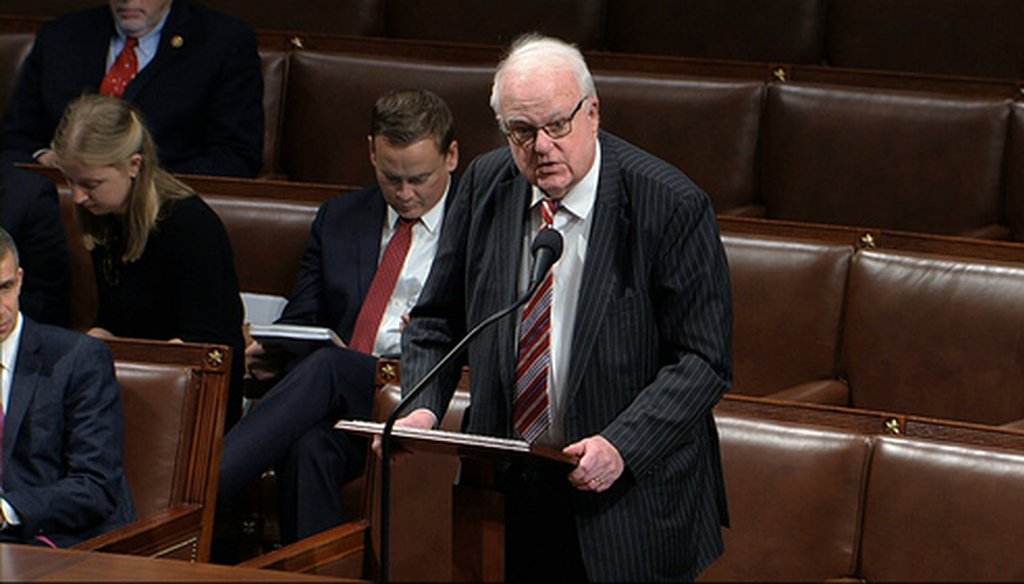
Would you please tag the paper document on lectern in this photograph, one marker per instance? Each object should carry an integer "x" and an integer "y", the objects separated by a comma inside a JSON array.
[{"x": 457, "y": 443}]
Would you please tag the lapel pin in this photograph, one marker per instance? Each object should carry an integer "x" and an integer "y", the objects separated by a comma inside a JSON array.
[{"x": 177, "y": 41}]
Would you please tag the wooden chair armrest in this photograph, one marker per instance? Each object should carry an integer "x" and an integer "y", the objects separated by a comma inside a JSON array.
[
  {"x": 173, "y": 533},
  {"x": 339, "y": 551}
]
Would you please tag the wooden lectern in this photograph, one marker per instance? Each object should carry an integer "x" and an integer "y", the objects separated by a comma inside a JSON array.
[{"x": 478, "y": 512}]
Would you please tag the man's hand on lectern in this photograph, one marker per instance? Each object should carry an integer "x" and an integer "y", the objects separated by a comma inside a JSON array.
[{"x": 422, "y": 418}]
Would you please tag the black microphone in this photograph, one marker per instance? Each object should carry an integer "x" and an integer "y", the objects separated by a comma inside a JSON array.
[{"x": 546, "y": 249}]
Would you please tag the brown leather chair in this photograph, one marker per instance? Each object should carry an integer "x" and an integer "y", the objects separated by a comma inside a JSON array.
[
  {"x": 888, "y": 159},
  {"x": 706, "y": 127},
  {"x": 788, "y": 297},
  {"x": 780, "y": 31},
  {"x": 348, "y": 17},
  {"x": 935, "y": 336},
  {"x": 174, "y": 397},
  {"x": 268, "y": 236},
  {"x": 943, "y": 512},
  {"x": 275, "y": 74},
  {"x": 323, "y": 142},
  {"x": 497, "y": 23},
  {"x": 1015, "y": 173},
  {"x": 795, "y": 500},
  {"x": 948, "y": 37}
]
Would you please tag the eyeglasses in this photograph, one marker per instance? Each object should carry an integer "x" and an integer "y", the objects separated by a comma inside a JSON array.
[{"x": 521, "y": 133}]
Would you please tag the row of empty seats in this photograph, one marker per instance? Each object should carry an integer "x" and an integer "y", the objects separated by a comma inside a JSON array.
[
  {"x": 950, "y": 37},
  {"x": 948, "y": 161},
  {"x": 892, "y": 330},
  {"x": 917, "y": 161}
]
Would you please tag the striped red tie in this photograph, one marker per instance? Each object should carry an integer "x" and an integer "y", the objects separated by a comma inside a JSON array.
[
  {"x": 123, "y": 71},
  {"x": 376, "y": 302},
  {"x": 531, "y": 412}
]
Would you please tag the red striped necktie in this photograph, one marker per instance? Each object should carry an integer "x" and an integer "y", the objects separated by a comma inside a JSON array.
[
  {"x": 364, "y": 336},
  {"x": 531, "y": 411},
  {"x": 123, "y": 71}
]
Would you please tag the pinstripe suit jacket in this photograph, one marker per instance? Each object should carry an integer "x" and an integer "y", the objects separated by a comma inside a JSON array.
[{"x": 651, "y": 354}]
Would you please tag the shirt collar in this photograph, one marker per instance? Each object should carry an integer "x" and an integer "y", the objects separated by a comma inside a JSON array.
[
  {"x": 149, "y": 43},
  {"x": 580, "y": 200},
  {"x": 431, "y": 220}
]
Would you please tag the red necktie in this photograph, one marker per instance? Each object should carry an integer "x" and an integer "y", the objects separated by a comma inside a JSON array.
[
  {"x": 365, "y": 333},
  {"x": 123, "y": 71},
  {"x": 531, "y": 412}
]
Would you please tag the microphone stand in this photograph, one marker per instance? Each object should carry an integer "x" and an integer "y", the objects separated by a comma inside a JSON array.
[{"x": 385, "y": 437}]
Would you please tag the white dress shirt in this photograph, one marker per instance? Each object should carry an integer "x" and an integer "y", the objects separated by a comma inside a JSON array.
[
  {"x": 146, "y": 49},
  {"x": 8, "y": 361},
  {"x": 425, "y": 234},
  {"x": 573, "y": 220}
]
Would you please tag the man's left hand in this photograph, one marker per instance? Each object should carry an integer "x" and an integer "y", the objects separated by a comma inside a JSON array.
[{"x": 600, "y": 464}]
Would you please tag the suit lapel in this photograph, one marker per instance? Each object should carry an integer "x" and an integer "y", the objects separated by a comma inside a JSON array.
[
  {"x": 368, "y": 226},
  {"x": 511, "y": 210},
  {"x": 607, "y": 233},
  {"x": 23, "y": 384},
  {"x": 174, "y": 42},
  {"x": 94, "y": 53}
]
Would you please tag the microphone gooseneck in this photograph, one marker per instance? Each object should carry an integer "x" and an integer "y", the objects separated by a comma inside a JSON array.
[{"x": 546, "y": 249}]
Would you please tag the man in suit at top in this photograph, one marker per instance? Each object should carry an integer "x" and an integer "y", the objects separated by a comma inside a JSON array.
[
  {"x": 196, "y": 78},
  {"x": 197, "y": 81},
  {"x": 413, "y": 151},
  {"x": 635, "y": 352},
  {"x": 62, "y": 466}
]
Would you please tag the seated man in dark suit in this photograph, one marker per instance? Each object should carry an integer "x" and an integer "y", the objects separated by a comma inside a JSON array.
[
  {"x": 194, "y": 73},
  {"x": 359, "y": 279},
  {"x": 61, "y": 430}
]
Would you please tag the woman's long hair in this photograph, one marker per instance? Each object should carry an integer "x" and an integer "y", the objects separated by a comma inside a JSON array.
[{"x": 105, "y": 131}]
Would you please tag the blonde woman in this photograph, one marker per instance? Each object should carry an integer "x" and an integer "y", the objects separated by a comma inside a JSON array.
[{"x": 163, "y": 263}]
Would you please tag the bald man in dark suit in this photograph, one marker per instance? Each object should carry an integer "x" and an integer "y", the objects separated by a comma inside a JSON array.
[{"x": 639, "y": 340}]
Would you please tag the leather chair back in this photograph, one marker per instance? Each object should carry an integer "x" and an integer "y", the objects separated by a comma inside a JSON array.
[
  {"x": 935, "y": 336},
  {"x": 947, "y": 37},
  {"x": 788, "y": 305},
  {"x": 268, "y": 237},
  {"x": 899, "y": 160},
  {"x": 497, "y": 23},
  {"x": 707, "y": 128},
  {"x": 331, "y": 95},
  {"x": 1015, "y": 174},
  {"x": 795, "y": 500},
  {"x": 943, "y": 512},
  {"x": 782, "y": 30}
]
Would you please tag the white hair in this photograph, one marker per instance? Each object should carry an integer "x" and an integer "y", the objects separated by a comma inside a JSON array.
[{"x": 534, "y": 52}]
